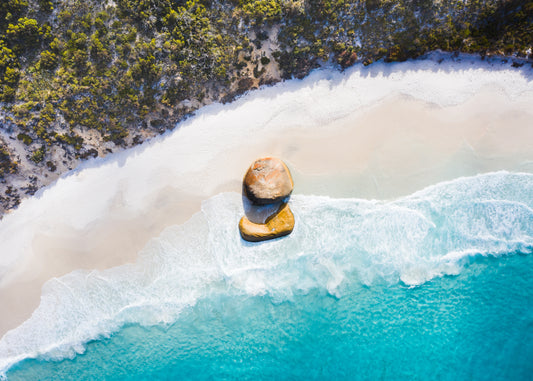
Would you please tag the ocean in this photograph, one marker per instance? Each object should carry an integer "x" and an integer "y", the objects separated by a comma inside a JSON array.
[
  {"x": 426, "y": 283},
  {"x": 476, "y": 325}
]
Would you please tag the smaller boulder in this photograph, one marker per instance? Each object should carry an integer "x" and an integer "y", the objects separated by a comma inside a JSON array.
[
  {"x": 278, "y": 225},
  {"x": 267, "y": 181}
]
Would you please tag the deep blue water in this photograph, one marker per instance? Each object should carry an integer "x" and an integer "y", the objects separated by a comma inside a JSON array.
[{"x": 476, "y": 325}]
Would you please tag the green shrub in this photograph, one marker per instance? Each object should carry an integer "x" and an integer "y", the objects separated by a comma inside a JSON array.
[
  {"x": 48, "y": 60},
  {"x": 24, "y": 34},
  {"x": 7, "y": 165},
  {"x": 26, "y": 139},
  {"x": 262, "y": 10},
  {"x": 38, "y": 155}
]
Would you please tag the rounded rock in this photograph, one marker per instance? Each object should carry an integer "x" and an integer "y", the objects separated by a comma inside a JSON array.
[
  {"x": 278, "y": 225},
  {"x": 267, "y": 181}
]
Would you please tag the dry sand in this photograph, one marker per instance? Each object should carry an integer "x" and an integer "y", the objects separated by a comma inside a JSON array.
[{"x": 389, "y": 150}]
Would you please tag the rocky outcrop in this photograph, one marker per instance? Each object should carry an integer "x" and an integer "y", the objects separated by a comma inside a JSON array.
[
  {"x": 267, "y": 181},
  {"x": 278, "y": 225}
]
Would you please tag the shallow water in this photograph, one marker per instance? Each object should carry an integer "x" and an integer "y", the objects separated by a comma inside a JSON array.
[
  {"x": 365, "y": 258},
  {"x": 477, "y": 325}
]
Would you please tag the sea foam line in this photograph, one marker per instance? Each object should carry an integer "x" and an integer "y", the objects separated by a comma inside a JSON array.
[
  {"x": 409, "y": 241},
  {"x": 126, "y": 185},
  {"x": 83, "y": 197}
]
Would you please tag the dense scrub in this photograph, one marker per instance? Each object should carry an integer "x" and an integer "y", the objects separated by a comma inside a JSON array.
[
  {"x": 130, "y": 69},
  {"x": 396, "y": 30},
  {"x": 107, "y": 67}
]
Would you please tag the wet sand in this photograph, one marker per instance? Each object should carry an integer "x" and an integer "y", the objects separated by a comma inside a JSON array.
[{"x": 385, "y": 151}]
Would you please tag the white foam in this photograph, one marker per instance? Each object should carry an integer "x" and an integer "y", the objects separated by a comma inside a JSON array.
[
  {"x": 172, "y": 272},
  {"x": 127, "y": 183},
  {"x": 335, "y": 242}
]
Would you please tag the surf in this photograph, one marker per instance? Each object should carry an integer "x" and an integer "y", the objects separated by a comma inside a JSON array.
[
  {"x": 409, "y": 241},
  {"x": 144, "y": 236}
]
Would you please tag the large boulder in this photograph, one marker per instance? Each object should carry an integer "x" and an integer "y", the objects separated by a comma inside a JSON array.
[
  {"x": 278, "y": 225},
  {"x": 267, "y": 181}
]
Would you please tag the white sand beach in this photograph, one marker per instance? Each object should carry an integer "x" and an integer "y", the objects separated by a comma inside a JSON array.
[{"x": 376, "y": 133}]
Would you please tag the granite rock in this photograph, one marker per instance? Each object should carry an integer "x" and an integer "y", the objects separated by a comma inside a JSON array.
[
  {"x": 267, "y": 181},
  {"x": 278, "y": 225}
]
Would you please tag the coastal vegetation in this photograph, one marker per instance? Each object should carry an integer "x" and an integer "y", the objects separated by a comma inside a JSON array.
[{"x": 80, "y": 79}]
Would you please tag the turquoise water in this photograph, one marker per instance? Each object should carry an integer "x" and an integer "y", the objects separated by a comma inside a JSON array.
[
  {"x": 436, "y": 285},
  {"x": 477, "y": 325}
]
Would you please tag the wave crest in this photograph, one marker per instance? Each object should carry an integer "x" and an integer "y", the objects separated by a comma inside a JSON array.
[{"x": 336, "y": 242}]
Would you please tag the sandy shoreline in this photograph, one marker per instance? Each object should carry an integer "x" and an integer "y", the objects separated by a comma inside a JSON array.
[{"x": 385, "y": 150}]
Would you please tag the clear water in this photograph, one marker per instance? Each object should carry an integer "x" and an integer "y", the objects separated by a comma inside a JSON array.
[
  {"x": 436, "y": 285},
  {"x": 477, "y": 325}
]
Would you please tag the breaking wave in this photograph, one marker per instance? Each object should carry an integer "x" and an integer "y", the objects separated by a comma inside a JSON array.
[{"x": 435, "y": 232}]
